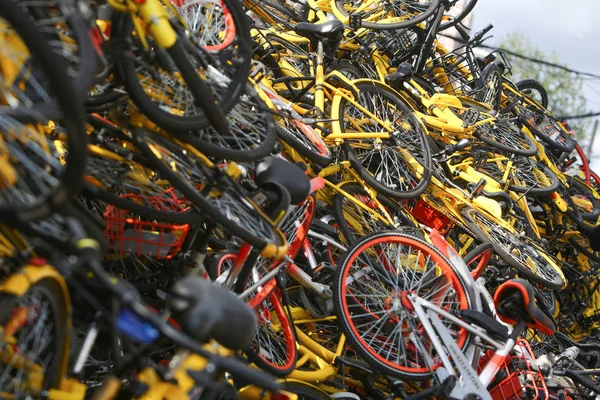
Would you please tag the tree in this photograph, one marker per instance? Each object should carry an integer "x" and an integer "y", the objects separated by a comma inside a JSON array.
[{"x": 564, "y": 88}]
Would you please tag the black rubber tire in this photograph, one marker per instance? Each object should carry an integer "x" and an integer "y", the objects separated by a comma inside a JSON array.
[
  {"x": 339, "y": 4},
  {"x": 553, "y": 178},
  {"x": 352, "y": 188},
  {"x": 579, "y": 188},
  {"x": 530, "y": 190},
  {"x": 127, "y": 74},
  {"x": 281, "y": 314},
  {"x": 345, "y": 325},
  {"x": 491, "y": 79},
  {"x": 305, "y": 391},
  {"x": 79, "y": 31},
  {"x": 529, "y": 150},
  {"x": 533, "y": 84},
  {"x": 458, "y": 18},
  {"x": 286, "y": 17},
  {"x": 289, "y": 138},
  {"x": 568, "y": 143},
  {"x": 141, "y": 140},
  {"x": 51, "y": 290},
  {"x": 71, "y": 113},
  {"x": 188, "y": 217},
  {"x": 390, "y": 95},
  {"x": 556, "y": 283},
  {"x": 226, "y": 148}
]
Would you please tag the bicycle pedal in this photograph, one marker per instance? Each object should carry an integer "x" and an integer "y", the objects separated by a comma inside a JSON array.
[{"x": 470, "y": 116}]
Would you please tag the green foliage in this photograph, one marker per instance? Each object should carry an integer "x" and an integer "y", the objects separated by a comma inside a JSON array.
[{"x": 565, "y": 92}]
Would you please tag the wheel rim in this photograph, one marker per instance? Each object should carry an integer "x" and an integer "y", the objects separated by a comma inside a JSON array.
[{"x": 363, "y": 292}]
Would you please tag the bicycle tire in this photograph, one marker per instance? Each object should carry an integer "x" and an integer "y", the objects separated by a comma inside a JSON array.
[
  {"x": 306, "y": 391},
  {"x": 306, "y": 141},
  {"x": 54, "y": 294},
  {"x": 530, "y": 175},
  {"x": 403, "y": 143},
  {"x": 252, "y": 131},
  {"x": 457, "y": 19},
  {"x": 576, "y": 187},
  {"x": 549, "y": 131},
  {"x": 249, "y": 214},
  {"x": 288, "y": 364},
  {"x": 344, "y": 316},
  {"x": 533, "y": 84},
  {"x": 356, "y": 189},
  {"x": 340, "y": 10},
  {"x": 553, "y": 278},
  {"x": 67, "y": 109},
  {"x": 279, "y": 13},
  {"x": 78, "y": 29},
  {"x": 491, "y": 90},
  {"x": 210, "y": 112}
]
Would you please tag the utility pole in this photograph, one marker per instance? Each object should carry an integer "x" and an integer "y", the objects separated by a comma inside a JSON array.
[{"x": 591, "y": 142}]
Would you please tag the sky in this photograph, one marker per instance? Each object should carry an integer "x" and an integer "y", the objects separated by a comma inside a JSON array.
[{"x": 571, "y": 29}]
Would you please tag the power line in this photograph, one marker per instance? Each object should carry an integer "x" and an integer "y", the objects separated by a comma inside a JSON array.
[
  {"x": 581, "y": 116},
  {"x": 538, "y": 61},
  {"x": 534, "y": 60}
]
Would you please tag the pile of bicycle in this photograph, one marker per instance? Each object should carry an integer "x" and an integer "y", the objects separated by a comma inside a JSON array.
[{"x": 285, "y": 199}]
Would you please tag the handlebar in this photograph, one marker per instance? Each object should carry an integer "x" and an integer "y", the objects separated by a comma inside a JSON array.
[
  {"x": 479, "y": 35},
  {"x": 88, "y": 249}
]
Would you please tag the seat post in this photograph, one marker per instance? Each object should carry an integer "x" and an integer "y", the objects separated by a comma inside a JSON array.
[
  {"x": 517, "y": 330},
  {"x": 320, "y": 79}
]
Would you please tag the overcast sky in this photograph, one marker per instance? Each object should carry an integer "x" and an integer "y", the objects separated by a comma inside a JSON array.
[{"x": 571, "y": 29}]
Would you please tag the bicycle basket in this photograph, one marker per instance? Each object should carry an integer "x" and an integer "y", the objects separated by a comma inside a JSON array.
[
  {"x": 517, "y": 379},
  {"x": 126, "y": 232},
  {"x": 457, "y": 72}
]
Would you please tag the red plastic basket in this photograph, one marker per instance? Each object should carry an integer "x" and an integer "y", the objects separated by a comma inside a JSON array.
[
  {"x": 519, "y": 379},
  {"x": 431, "y": 217},
  {"x": 127, "y": 233}
]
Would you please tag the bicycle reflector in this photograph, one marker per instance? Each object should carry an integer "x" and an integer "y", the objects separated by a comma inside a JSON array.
[{"x": 135, "y": 327}]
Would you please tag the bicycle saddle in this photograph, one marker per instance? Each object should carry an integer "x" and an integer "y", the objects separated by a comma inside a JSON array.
[
  {"x": 331, "y": 30},
  {"x": 515, "y": 302},
  {"x": 206, "y": 311},
  {"x": 284, "y": 173},
  {"x": 403, "y": 72}
]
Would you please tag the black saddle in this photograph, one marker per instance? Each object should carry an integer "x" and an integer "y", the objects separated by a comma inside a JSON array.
[
  {"x": 329, "y": 31},
  {"x": 491, "y": 325},
  {"x": 283, "y": 173},
  {"x": 515, "y": 302},
  {"x": 207, "y": 312},
  {"x": 403, "y": 73}
]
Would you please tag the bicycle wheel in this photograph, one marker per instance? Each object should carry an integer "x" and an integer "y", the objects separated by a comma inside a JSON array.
[
  {"x": 306, "y": 391},
  {"x": 369, "y": 284},
  {"x": 534, "y": 90},
  {"x": 527, "y": 176},
  {"x": 274, "y": 342},
  {"x": 397, "y": 167},
  {"x": 355, "y": 222},
  {"x": 547, "y": 129},
  {"x": 455, "y": 15},
  {"x": 304, "y": 139},
  {"x": 38, "y": 174},
  {"x": 209, "y": 189},
  {"x": 69, "y": 34},
  {"x": 521, "y": 253},
  {"x": 209, "y": 61},
  {"x": 38, "y": 323},
  {"x": 585, "y": 199},
  {"x": 251, "y": 134},
  {"x": 275, "y": 14},
  {"x": 117, "y": 174},
  {"x": 384, "y": 14},
  {"x": 490, "y": 91}
]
